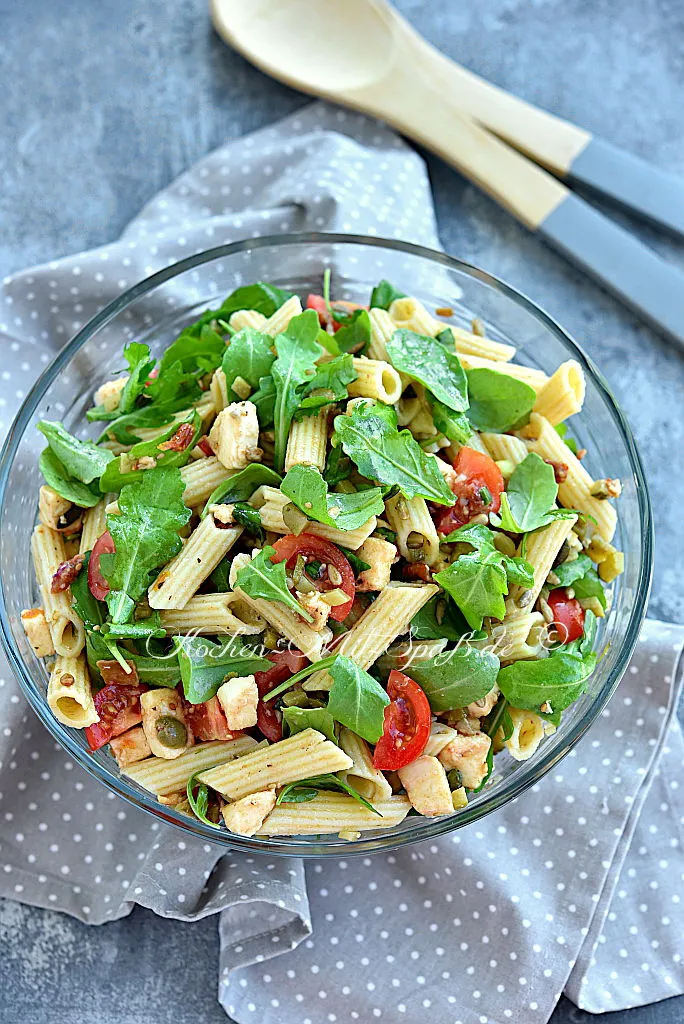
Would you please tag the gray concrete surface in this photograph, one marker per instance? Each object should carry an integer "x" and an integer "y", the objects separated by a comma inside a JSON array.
[{"x": 102, "y": 103}]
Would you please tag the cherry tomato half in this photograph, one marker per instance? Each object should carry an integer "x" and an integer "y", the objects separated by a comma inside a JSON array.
[
  {"x": 118, "y": 706},
  {"x": 317, "y": 302},
  {"x": 568, "y": 615},
  {"x": 207, "y": 721},
  {"x": 285, "y": 664},
  {"x": 406, "y": 725},
  {"x": 314, "y": 548},
  {"x": 477, "y": 487},
  {"x": 99, "y": 587}
]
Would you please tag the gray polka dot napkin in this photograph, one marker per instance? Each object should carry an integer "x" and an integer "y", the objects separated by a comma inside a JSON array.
[{"x": 575, "y": 886}]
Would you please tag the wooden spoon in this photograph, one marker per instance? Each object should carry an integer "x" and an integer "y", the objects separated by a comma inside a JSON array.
[{"x": 362, "y": 54}]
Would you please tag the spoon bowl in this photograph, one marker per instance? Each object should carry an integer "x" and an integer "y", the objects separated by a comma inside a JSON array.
[{"x": 321, "y": 48}]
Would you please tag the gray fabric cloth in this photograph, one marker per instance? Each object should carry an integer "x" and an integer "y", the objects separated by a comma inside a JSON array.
[{"x": 562, "y": 888}]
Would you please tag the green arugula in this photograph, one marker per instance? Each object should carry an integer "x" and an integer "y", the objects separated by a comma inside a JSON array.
[
  {"x": 562, "y": 431},
  {"x": 93, "y": 614},
  {"x": 264, "y": 400},
  {"x": 82, "y": 460},
  {"x": 357, "y": 564},
  {"x": 116, "y": 475},
  {"x": 425, "y": 360},
  {"x": 558, "y": 680},
  {"x": 383, "y": 453},
  {"x": 498, "y": 402},
  {"x": 220, "y": 577},
  {"x": 145, "y": 534},
  {"x": 264, "y": 298},
  {"x": 245, "y": 515},
  {"x": 159, "y": 671},
  {"x": 249, "y": 355},
  {"x": 242, "y": 485},
  {"x": 478, "y": 581},
  {"x": 140, "y": 629},
  {"x": 454, "y": 425},
  {"x": 204, "y": 665},
  {"x": 438, "y": 619},
  {"x": 308, "y": 789},
  {"x": 328, "y": 385},
  {"x": 356, "y": 699},
  {"x": 266, "y": 579},
  {"x": 140, "y": 365},
  {"x": 305, "y": 486},
  {"x": 297, "y": 719},
  {"x": 384, "y": 294},
  {"x": 317, "y": 666},
  {"x": 198, "y": 349},
  {"x": 60, "y": 480},
  {"x": 581, "y": 575},
  {"x": 297, "y": 351},
  {"x": 338, "y": 467},
  {"x": 498, "y": 718},
  {"x": 528, "y": 502},
  {"x": 199, "y": 801},
  {"x": 454, "y": 679},
  {"x": 355, "y": 333}
]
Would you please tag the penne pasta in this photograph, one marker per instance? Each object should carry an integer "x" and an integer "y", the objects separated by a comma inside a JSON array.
[
  {"x": 307, "y": 441},
  {"x": 209, "y": 614},
  {"x": 200, "y": 555},
  {"x": 162, "y": 777},
  {"x": 69, "y": 695},
  {"x": 376, "y": 379},
  {"x": 333, "y": 812},
  {"x": 563, "y": 394},
  {"x": 66, "y": 629}
]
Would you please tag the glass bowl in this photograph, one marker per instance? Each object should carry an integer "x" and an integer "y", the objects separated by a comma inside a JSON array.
[{"x": 155, "y": 311}]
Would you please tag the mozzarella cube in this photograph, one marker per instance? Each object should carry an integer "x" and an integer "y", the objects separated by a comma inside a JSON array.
[
  {"x": 380, "y": 555},
  {"x": 469, "y": 755},
  {"x": 239, "y": 698},
  {"x": 234, "y": 435},
  {"x": 427, "y": 787},
  {"x": 130, "y": 746},
  {"x": 37, "y": 631},
  {"x": 109, "y": 393},
  {"x": 246, "y": 816}
]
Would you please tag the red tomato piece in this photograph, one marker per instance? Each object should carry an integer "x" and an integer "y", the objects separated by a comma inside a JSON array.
[
  {"x": 477, "y": 474},
  {"x": 406, "y": 726},
  {"x": 99, "y": 587},
  {"x": 118, "y": 706},
  {"x": 285, "y": 664},
  {"x": 314, "y": 548},
  {"x": 208, "y": 722},
  {"x": 317, "y": 302},
  {"x": 568, "y": 615}
]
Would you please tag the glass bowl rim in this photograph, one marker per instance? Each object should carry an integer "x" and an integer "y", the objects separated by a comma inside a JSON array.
[{"x": 519, "y": 781}]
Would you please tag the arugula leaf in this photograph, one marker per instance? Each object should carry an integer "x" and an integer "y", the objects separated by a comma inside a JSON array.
[
  {"x": 145, "y": 534},
  {"x": 355, "y": 333},
  {"x": 60, "y": 480},
  {"x": 498, "y": 402},
  {"x": 383, "y": 453},
  {"x": 356, "y": 699},
  {"x": 558, "y": 680},
  {"x": 264, "y": 298},
  {"x": 581, "y": 575},
  {"x": 562, "y": 430},
  {"x": 118, "y": 474},
  {"x": 245, "y": 515},
  {"x": 199, "y": 801},
  {"x": 478, "y": 581},
  {"x": 298, "y": 351},
  {"x": 82, "y": 460},
  {"x": 220, "y": 577},
  {"x": 308, "y": 789},
  {"x": 308, "y": 670},
  {"x": 250, "y": 356},
  {"x": 91, "y": 611},
  {"x": 296, "y": 719},
  {"x": 305, "y": 486},
  {"x": 329, "y": 384},
  {"x": 140, "y": 365},
  {"x": 266, "y": 579},
  {"x": 454, "y": 679},
  {"x": 454, "y": 425},
  {"x": 159, "y": 671},
  {"x": 528, "y": 501},
  {"x": 357, "y": 564},
  {"x": 384, "y": 294},
  {"x": 438, "y": 619},
  {"x": 204, "y": 665},
  {"x": 140, "y": 629},
  {"x": 264, "y": 400},
  {"x": 242, "y": 485},
  {"x": 425, "y": 360},
  {"x": 338, "y": 467},
  {"x": 197, "y": 348}
]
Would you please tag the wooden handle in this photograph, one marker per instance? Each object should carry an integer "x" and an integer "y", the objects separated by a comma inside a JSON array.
[
  {"x": 413, "y": 104},
  {"x": 547, "y": 139}
]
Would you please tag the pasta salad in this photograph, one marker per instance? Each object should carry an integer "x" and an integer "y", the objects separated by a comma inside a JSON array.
[{"x": 322, "y": 565}]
